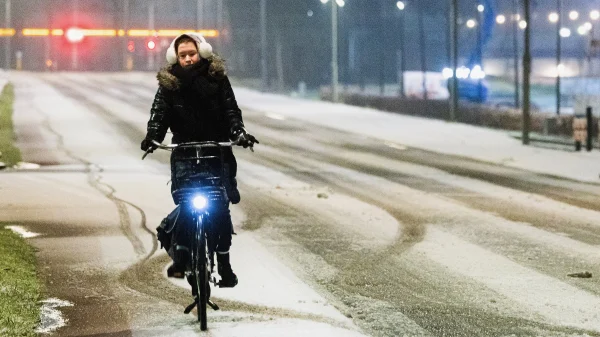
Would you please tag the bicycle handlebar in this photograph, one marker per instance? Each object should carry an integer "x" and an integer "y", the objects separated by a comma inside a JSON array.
[{"x": 191, "y": 145}]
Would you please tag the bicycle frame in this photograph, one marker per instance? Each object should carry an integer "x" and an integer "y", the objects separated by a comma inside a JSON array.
[{"x": 200, "y": 200}]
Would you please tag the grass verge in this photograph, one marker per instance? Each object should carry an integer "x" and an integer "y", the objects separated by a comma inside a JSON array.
[
  {"x": 20, "y": 288},
  {"x": 10, "y": 154}
]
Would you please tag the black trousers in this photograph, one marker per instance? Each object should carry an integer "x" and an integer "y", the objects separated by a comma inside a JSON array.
[
  {"x": 188, "y": 173},
  {"x": 180, "y": 225}
]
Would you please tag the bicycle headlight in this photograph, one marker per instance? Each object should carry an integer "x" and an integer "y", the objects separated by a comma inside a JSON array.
[{"x": 199, "y": 202}]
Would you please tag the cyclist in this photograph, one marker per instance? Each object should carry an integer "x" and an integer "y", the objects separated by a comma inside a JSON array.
[{"x": 195, "y": 100}]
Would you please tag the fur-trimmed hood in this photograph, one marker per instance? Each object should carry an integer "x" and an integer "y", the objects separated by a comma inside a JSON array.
[{"x": 167, "y": 80}]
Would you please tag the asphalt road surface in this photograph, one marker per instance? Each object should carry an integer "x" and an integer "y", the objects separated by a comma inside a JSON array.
[{"x": 338, "y": 234}]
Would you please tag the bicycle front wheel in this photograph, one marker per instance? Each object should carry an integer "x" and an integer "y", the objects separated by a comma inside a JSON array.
[{"x": 201, "y": 272}]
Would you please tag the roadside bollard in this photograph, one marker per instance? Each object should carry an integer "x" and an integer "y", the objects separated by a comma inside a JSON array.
[
  {"x": 589, "y": 131},
  {"x": 579, "y": 131}
]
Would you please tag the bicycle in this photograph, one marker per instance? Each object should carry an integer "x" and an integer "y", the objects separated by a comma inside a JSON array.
[{"x": 203, "y": 191}]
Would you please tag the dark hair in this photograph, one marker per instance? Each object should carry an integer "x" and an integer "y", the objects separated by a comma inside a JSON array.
[{"x": 183, "y": 39}]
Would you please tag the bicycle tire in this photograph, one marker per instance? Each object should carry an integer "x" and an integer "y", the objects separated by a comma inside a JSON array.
[{"x": 201, "y": 274}]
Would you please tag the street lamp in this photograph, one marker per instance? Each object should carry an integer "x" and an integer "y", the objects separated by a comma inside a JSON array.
[
  {"x": 595, "y": 15},
  {"x": 523, "y": 24},
  {"x": 553, "y": 17},
  {"x": 401, "y": 5},
  {"x": 573, "y": 15},
  {"x": 565, "y": 32},
  {"x": 471, "y": 23},
  {"x": 501, "y": 19},
  {"x": 560, "y": 69}
]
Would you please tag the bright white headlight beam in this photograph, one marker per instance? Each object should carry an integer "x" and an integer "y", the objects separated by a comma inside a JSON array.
[{"x": 199, "y": 202}]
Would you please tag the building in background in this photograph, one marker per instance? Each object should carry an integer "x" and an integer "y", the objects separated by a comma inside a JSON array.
[{"x": 299, "y": 40}]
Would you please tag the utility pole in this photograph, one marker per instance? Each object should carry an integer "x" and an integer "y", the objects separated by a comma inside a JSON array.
[
  {"x": 47, "y": 43},
  {"x": 263, "y": 45},
  {"x": 527, "y": 74},
  {"x": 74, "y": 52},
  {"x": 126, "y": 55},
  {"x": 516, "y": 52},
  {"x": 481, "y": 18},
  {"x": 200, "y": 14},
  {"x": 422, "y": 43},
  {"x": 7, "y": 24},
  {"x": 151, "y": 8},
  {"x": 558, "y": 54},
  {"x": 220, "y": 26},
  {"x": 402, "y": 53},
  {"x": 382, "y": 43},
  {"x": 454, "y": 57},
  {"x": 335, "y": 96}
]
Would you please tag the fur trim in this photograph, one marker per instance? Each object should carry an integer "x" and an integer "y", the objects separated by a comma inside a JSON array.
[
  {"x": 217, "y": 67},
  {"x": 170, "y": 82},
  {"x": 166, "y": 79}
]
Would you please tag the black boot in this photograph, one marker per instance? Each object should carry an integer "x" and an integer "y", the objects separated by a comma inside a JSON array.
[
  {"x": 180, "y": 262},
  {"x": 228, "y": 278},
  {"x": 192, "y": 281}
]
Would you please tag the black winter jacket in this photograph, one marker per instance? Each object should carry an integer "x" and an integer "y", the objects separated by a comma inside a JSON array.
[
  {"x": 199, "y": 108},
  {"x": 197, "y": 105}
]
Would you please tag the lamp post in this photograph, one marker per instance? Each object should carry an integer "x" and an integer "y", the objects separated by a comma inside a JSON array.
[
  {"x": 454, "y": 57},
  {"x": 382, "y": 43},
  {"x": 480, "y": 10},
  {"x": 7, "y": 24},
  {"x": 334, "y": 48},
  {"x": 423, "y": 50},
  {"x": 526, "y": 72},
  {"x": 263, "y": 45},
  {"x": 126, "y": 56},
  {"x": 401, "y": 5},
  {"x": 74, "y": 53},
  {"x": 334, "y": 53},
  {"x": 151, "y": 7},
  {"x": 220, "y": 25},
  {"x": 558, "y": 53},
  {"x": 199, "y": 14},
  {"x": 515, "y": 28}
]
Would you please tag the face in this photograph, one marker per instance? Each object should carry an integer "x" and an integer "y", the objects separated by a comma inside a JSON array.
[{"x": 187, "y": 53}]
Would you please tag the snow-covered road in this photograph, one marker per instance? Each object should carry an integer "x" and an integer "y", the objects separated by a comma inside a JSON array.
[{"x": 345, "y": 228}]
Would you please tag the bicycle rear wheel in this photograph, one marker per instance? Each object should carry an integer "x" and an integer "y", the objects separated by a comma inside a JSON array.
[{"x": 201, "y": 273}]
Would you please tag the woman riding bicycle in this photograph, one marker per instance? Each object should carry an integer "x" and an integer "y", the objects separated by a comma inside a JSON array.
[{"x": 195, "y": 100}]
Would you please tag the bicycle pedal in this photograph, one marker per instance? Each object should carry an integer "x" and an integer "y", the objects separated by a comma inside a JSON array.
[
  {"x": 190, "y": 307},
  {"x": 213, "y": 305}
]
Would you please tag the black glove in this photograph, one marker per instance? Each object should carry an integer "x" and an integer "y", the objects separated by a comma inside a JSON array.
[
  {"x": 147, "y": 145},
  {"x": 242, "y": 138}
]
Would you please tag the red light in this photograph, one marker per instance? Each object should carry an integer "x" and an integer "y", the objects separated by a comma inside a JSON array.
[
  {"x": 74, "y": 35},
  {"x": 131, "y": 46},
  {"x": 151, "y": 45}
]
